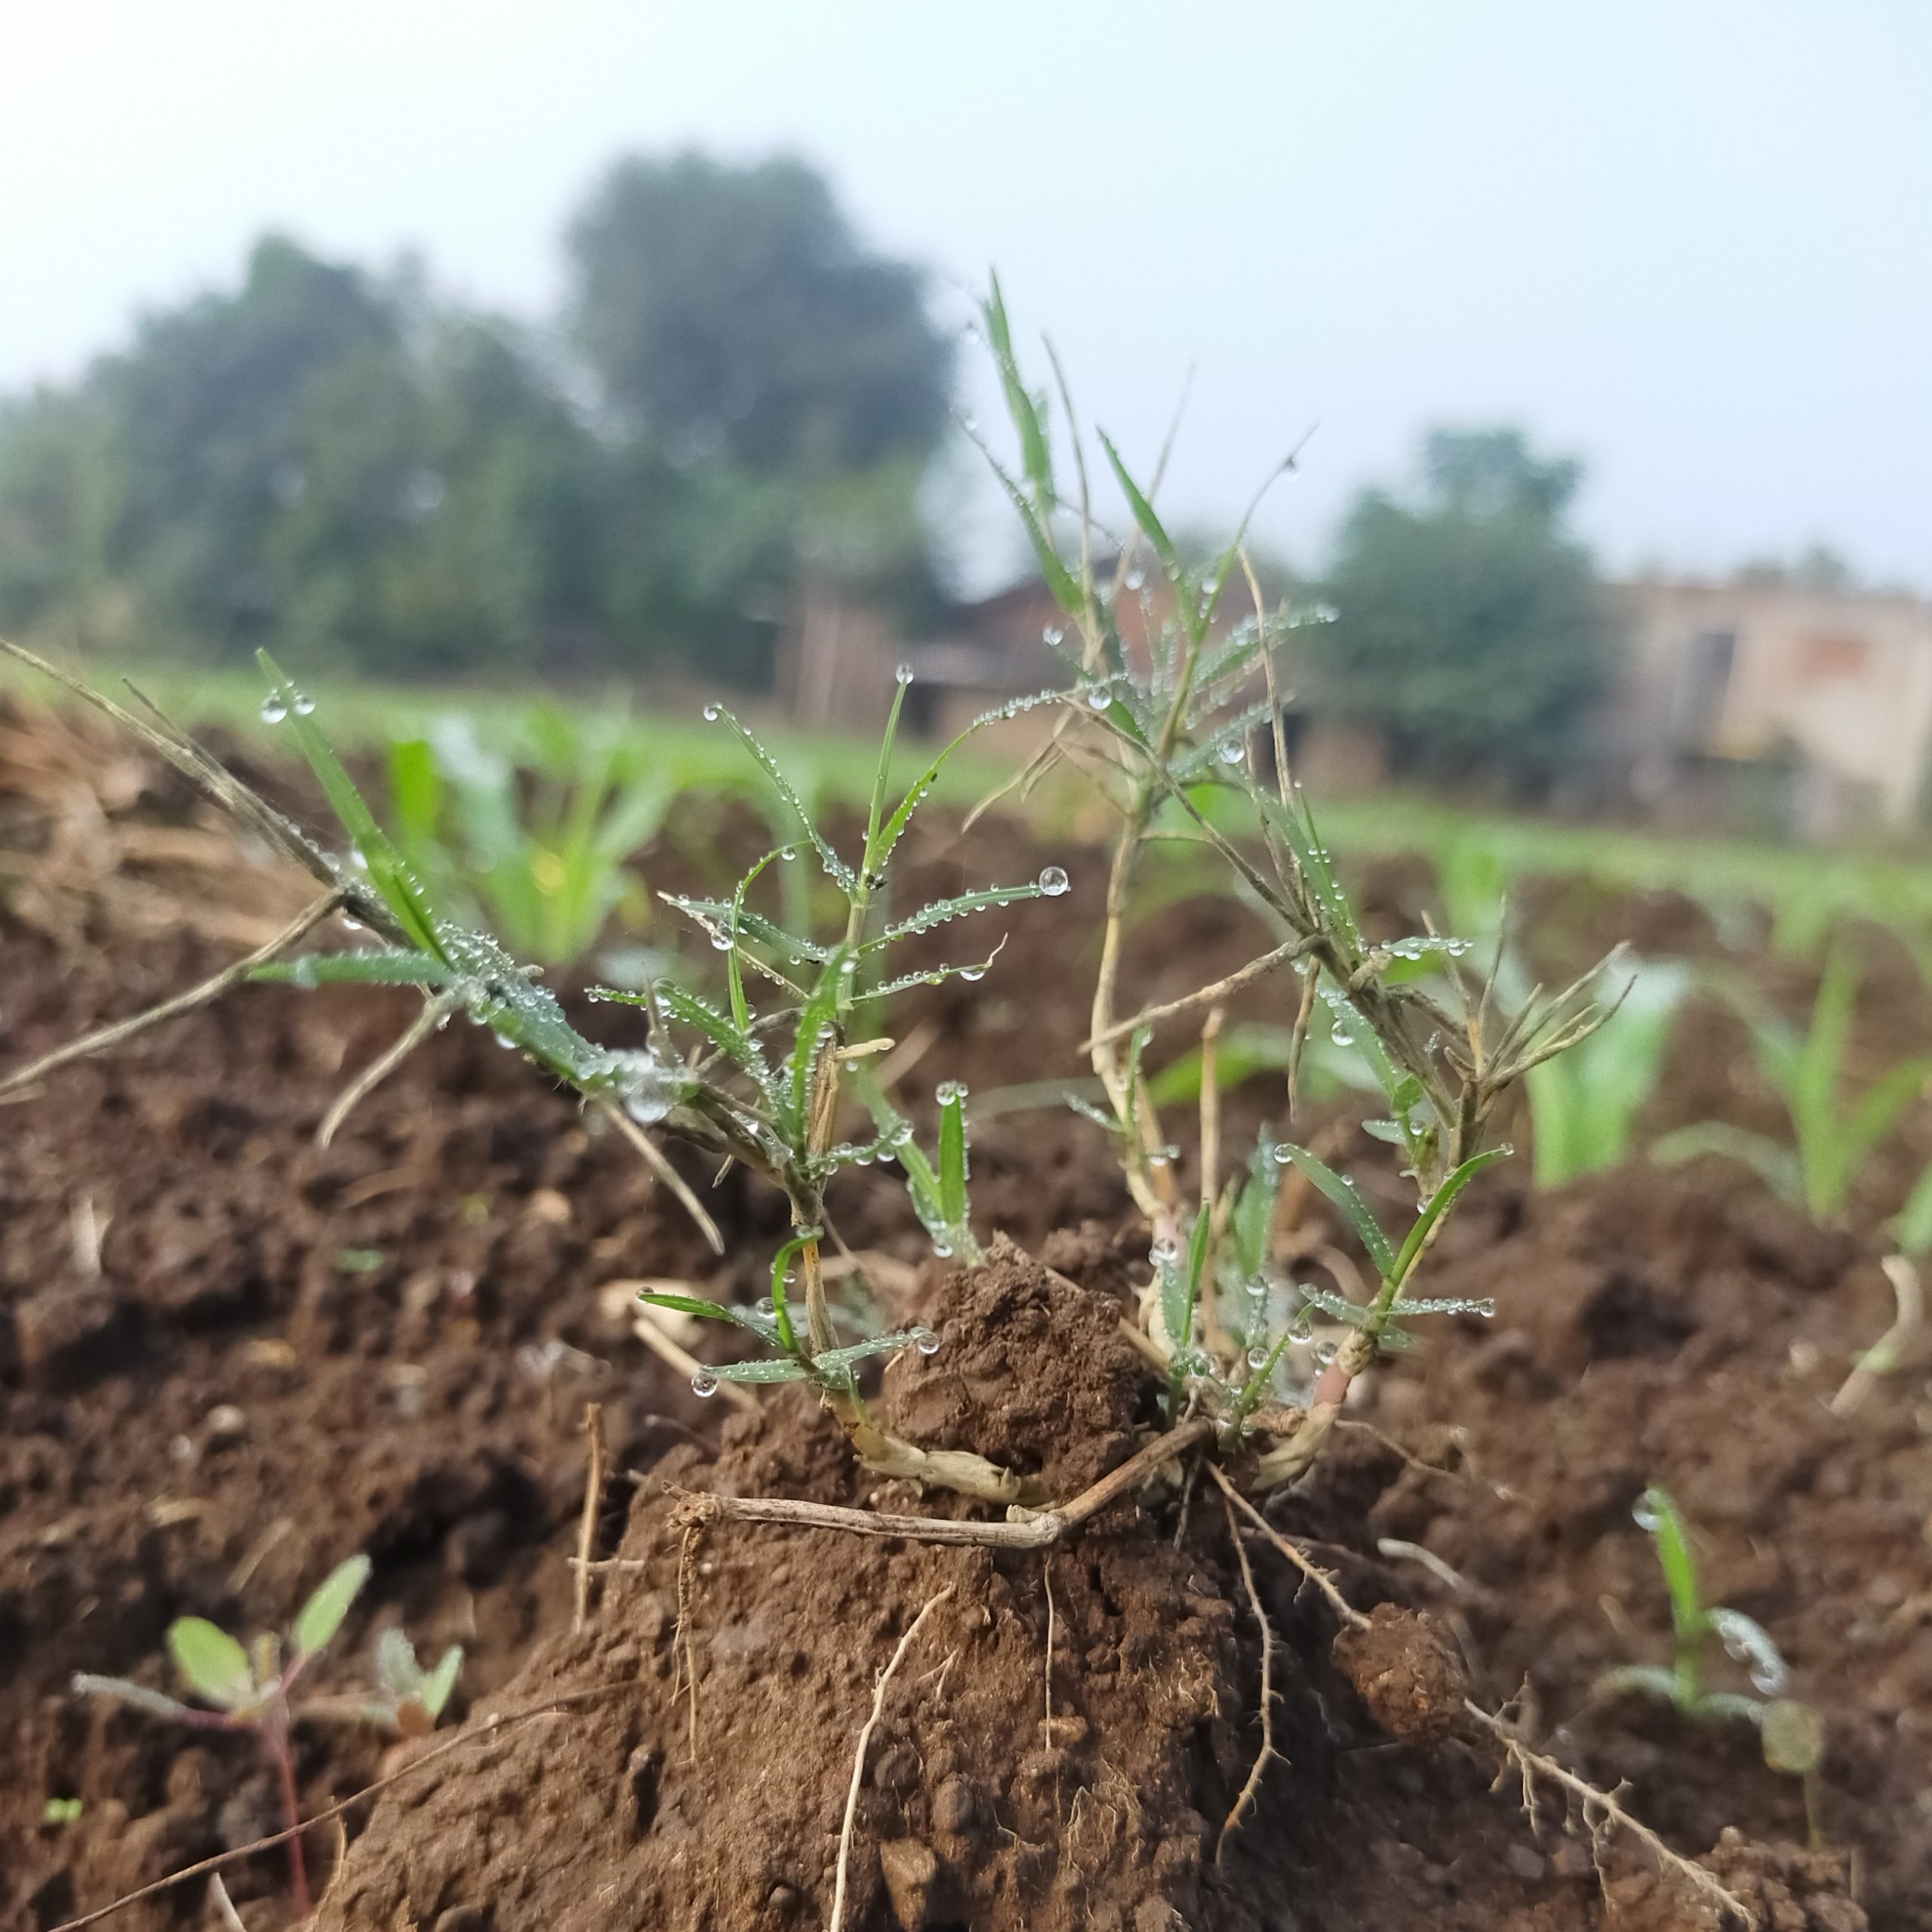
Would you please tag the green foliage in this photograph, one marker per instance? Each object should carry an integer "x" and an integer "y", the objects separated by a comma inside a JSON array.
[
  {"x": 1834, "y": 1133},
  {"x": 1469, "y": 629},
  {"x": 542, "y": 863},
  {"x": 1584, "y": 1105},
  {"x": 322, "y": 1616},
  {"x": 1792, "y": 1733}
]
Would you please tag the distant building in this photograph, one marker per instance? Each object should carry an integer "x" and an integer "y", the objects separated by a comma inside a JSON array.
[
  {"x": 1818, "y": 700},
  {"x": 1753, "y": 702}
]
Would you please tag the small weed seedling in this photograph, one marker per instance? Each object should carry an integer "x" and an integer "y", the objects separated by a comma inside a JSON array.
[
  {"x": 1792, "y": 1732},
  {"x": 249, "y": 1687},
  {"x": 1833, "y": 1133}
]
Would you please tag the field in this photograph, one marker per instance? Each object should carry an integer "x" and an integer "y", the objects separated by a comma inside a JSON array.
[{"x": 232, "y": 1358}]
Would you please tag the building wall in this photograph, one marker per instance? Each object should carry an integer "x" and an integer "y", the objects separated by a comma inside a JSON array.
[{"x": 1839, "y": 685}]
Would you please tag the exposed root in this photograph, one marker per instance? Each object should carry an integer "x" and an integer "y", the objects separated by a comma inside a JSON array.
[
  {"x": 1030, "y": 1531},
  {"x": 1232, "y": 1821},
  {"x": 1601, "y": 1808},
  {"x": 684, "y": 1657},
  {"x": 1322, "y": 1581},
  {"x": 837, "y": 1918},
  {"x": 104, "y": 1037},
  {"x": 593, "y": 1494}
]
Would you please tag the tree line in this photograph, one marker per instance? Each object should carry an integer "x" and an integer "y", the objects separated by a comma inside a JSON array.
[{"x": 349, "y": 467}]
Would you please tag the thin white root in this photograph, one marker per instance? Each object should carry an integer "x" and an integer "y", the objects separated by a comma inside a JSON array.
[
  {"x": 435, "y": 1012},
  {"x": 593, "y": 1495},
  {"x": 837, "y": 1918},
  {"x": 653, "y": 1159},
  {"x": 1232, "y": 1822},
  {"x": 1601, "y": 1808}
]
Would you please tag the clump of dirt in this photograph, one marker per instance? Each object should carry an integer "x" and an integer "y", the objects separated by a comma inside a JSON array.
[
  {"x": 1406, "y": 1672},
  {"x": 1005, "y": 1785}
]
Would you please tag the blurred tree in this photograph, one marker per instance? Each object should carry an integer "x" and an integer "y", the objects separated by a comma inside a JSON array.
[
  {"x": 730, "y": 315},
  {"x": 1470, "y": 632}
]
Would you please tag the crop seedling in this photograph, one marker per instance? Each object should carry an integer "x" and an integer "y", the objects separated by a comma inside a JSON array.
[
  {"x": 1792, "y": 1732},
  {"x": 544, "y": 872},
  {"x": 249, "y": 1687},
  {"x": 1833, "y": 1133}
]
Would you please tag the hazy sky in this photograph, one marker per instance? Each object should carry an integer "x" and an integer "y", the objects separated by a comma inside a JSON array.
[{"x": 1689, "y": 240}]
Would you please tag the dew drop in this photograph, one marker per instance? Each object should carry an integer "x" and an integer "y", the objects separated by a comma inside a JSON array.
[
  {"x": 1099, "y": 698},
  {"x": 904, "y": 674},
  {"x": 1302, "y": 1328},
  {"x": 1233, "y": 751},
  {"x": 1054, "y": 881},
  {"x": 972, "y": 973},
  {"x": 704, "y": 1383},
  {"x": 711, "y": 717},
  {"x": 788, "y": 852},
  {"x": 1645, "y": 1516},
  {"x": 721, "y": 940},
  {"x": 1136, "y": 579},
  {"x": 1257, "y": 1359},
  {"x": 1326, "y": 1351},
  {"x": 1282, "y": 1157},
  {"x": 947, "y": 1091},
  {"x": 943, "y": 1249},
  {"x": 273, "y": 710},
  {"x": 926, "y": 1342},
  {"x": 1051, "y": 635},
  {"x": 304, "y": 706}
]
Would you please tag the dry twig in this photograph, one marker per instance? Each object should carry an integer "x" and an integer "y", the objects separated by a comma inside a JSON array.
[
  {"x": 837, "y": 1918},
  {"x": 313, "y": 915}
]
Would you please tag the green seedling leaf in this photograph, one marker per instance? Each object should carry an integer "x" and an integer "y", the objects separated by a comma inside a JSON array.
[
  {"x": 1658, "y": 1514},
  {"x": 85, "y": 1684},
  {"x": 1061, "y": 581},
  {"x": 836, "y": 867},
  {"x": 1794, "y": 1737},
  {"x": 696, "y": 1305},
  {"x": 322, "y": 1616},
  {"x": 1026, "y": 409},
  {"x": 212, "y": 1663},
  {"x": 943, "y": 909},
  {"x": 1343, "y": 1195},
  {"x": 780, "y": 1369},
  {"x": 781, "y": 1310},
  {"x": 716, "y": 915},
  {"x": 1142, "y": 512},
  {"x": 369, "y": 969},
  {"x": 387, "y": 873},
  {"x": 737, "y": 1045},
  {"x": 953, "y": 1157},
  {"x": 836, "y": 1361},
  {"x": 439, "y": 1684},
  {"x": 59, "y": 1811},
  {"x": 1439, "y": 1204}
]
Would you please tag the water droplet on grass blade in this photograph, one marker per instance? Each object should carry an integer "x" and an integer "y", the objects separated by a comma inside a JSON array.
[
  {"x": 1099, "y": 698},
  {"x": 273, "y": 709},
  {"x": 1052, "y": 635},
  {"x": 1233, "y": 751},
  {"x": 1054, "y": 881},
  {"x": 711, "y": 717},
  {"x": 926, "y": 1342},
  {"x": 304, "y": 706},
  {"x": 904, "y": 674},
  {"x": 704, "y": 1383}
]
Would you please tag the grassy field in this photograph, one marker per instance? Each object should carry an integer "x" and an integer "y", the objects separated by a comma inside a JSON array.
[{"x": 1806, "y": 888}]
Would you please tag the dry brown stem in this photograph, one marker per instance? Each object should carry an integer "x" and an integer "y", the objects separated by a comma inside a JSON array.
[{"x": 311, "y": 916}]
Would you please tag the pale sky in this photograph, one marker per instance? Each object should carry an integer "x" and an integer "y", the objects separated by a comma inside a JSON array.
[{"x": 1689, "y": 240}]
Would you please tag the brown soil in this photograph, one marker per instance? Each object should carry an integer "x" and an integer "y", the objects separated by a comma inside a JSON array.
[{"x": 272, "y": 1356}]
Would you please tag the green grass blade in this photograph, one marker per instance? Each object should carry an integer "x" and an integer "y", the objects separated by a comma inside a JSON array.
[
  {"x": 367, "y": 969},
  {"x": 1438, "y": 1204},
  {"x": 1343, "y": 1195},
  {"x": 835, "y": 867},
  {"x": 953, "y": 1158},
  {"x": 1027, "y": 410},
  {"x": 387, "y": 873}
]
